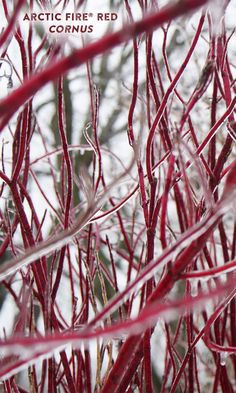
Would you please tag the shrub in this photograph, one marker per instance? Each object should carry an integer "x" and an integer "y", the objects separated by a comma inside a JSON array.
[{"x": 118, "y": 177}]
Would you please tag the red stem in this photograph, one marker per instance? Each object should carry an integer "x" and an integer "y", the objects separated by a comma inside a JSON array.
[{"x": 53, "y": 71}]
